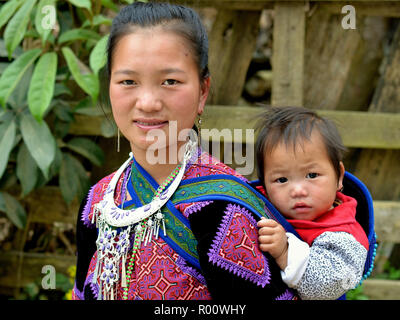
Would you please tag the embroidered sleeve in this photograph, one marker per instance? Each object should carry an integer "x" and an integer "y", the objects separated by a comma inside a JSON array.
[
  {"x": 231, "y": 261},
  {"x": 335, "y": 265}
]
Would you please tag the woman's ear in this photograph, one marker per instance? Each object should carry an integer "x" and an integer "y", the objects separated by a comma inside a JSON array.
[
  {"x": 204, "y": 91},
  {"x": 340, "y": 180}
]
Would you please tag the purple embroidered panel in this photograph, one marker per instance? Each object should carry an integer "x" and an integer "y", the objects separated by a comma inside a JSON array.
[
  {"x": 194, "y": 207},
  {"x": 94, "y": 287},
  {"x": 235, "y": 247},
  {"x": 287, "y": 295},
  {"x": 87, "y": 208},
  {"x": 181, "y": 263},
  {"x": 77, "y": 295}
]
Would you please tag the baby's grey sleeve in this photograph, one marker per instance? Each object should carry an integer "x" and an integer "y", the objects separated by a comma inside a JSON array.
[{"x": 335, "y": 265}]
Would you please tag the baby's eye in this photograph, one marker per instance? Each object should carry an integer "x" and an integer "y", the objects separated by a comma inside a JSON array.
[
  {"x": 128, "y": 82},
  {"x": 281, "y": 180},
  {"x": 170, "y": 82},
  {"x": 312, "y": 175}
]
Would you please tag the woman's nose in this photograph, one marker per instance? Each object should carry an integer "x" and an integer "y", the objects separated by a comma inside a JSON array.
[{"x": 148, "y": 101}]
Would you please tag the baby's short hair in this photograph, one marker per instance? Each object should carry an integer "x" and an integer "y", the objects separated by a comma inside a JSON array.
[{"x": 293, "y": 125}]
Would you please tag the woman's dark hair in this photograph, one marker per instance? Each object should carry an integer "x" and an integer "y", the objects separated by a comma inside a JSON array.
[
  {"x": 179, "y": 19},
  {"x": 292, "y": 125}
]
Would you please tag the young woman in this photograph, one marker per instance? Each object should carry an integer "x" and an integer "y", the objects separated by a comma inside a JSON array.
[{"x": 173, "y": 222}]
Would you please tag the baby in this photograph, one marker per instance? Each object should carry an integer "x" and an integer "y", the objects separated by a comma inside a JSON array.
[{"x": 299, "y": 157}]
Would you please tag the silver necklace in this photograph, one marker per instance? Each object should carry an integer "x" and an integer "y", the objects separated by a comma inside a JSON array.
[{"x": 113, "y": 246}]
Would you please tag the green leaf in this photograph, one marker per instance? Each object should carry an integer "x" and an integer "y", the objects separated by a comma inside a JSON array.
[
  {"x": 88, "y": 82},
  {"x": 27, "y": 170},
  {"x": 88, "y": 149},
  {"x": 82, "y": 3},
  {"x": 14, "y": 72},
  {"x": 109, "y": 4},
  {"x": 73, "y": 179},
  {"x": 18, "y": 99},
  {"x": 97, "y": 20},
  {"x": 92, "y": 82},
  {"x": 7, "y": 10},
  {"x": 98, "y": 57},
  {"x": 78, "y": 34},
  {"x": 6, "y": 145},
  {"x": 41, "y": 88},
  {"x": 40, "y": 142},
  {"x": 16, "y": 27},
  {"x": 13, "y": 209},
  {"x": 44, "y": 17},
  {"x": 61, "y": 88}
]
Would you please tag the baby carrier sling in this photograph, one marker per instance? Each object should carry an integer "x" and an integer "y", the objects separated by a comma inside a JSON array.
[
  {"x": 230, "y": 188},
  {"x": 356, "y": 189}
]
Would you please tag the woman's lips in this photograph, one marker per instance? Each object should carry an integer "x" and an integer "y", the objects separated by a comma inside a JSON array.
[{"x": 150, "y": 124}]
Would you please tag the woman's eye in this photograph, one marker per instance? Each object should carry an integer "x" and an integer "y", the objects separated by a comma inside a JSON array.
[
  {"x": 170, "y": 82},
  {"x": 312, "y": 175},
  {"x": 128, "y": 82},
  {"x": 281, "y": 180}
]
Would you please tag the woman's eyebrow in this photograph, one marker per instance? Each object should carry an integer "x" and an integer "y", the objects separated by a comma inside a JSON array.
[
  {"x": 171, "y": 70},
  {"x": 125, "y": 71},
  {"x": 162, "y": 71}
]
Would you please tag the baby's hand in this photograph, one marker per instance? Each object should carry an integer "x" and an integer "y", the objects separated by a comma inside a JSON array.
[{"x": 273, "y": 239}]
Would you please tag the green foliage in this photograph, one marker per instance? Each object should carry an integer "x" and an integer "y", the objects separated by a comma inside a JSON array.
[
  {"x": 51, "y": 54},
  {"x": 356, "y": 294},
  {"x": 389, "y": 272},
  {"x": 34, "y": 290}
]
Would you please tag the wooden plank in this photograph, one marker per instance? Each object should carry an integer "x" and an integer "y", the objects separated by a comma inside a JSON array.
[
  {"x": 380, "y": 169},
  {"x": 288, "y": 54},
  {"x": 371, "y": 8},
  {"x": 358, "y": 129},
  {"x": 365, "y": 130},
  {"x": 327, "y": 63},
  {"x": 387, "y": 220},
  {"x": 379, "y": 289},
  {"x": 232, "y": 43}
]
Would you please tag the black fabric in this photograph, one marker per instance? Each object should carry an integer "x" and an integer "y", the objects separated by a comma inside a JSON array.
[
  {"x": 223, "y": 284},
  {"x": 86, "y": 247},
  {"x": 351, "y": 189}
]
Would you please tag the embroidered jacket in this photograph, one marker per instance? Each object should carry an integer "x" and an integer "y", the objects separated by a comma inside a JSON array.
[{"x": 228, "y": 263}]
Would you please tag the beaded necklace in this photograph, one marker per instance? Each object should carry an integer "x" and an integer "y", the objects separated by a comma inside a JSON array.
[
  {"x": 140, "y": 234},
  {"x": 115, "y": 225}
]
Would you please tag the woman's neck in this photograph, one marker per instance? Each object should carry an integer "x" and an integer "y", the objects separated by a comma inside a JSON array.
[{"x": 159, "y": 171}]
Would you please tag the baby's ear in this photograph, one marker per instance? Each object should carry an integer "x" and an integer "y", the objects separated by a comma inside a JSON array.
[{"x": 340, "y": 181}]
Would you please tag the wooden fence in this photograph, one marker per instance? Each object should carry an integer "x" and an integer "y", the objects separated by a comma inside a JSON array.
[{"x": 301, "y": 76}]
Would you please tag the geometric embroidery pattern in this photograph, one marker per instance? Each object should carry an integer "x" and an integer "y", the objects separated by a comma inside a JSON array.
[
  {"x": 158, "y": 275},
  {"x": 235, "y": 247}
]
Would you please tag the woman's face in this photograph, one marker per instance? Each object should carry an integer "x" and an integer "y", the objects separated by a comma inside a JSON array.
[{"x": 155, "y": 89}]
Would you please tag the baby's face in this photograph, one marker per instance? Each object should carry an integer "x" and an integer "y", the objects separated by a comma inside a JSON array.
[{"x": 301, "y": 182}]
